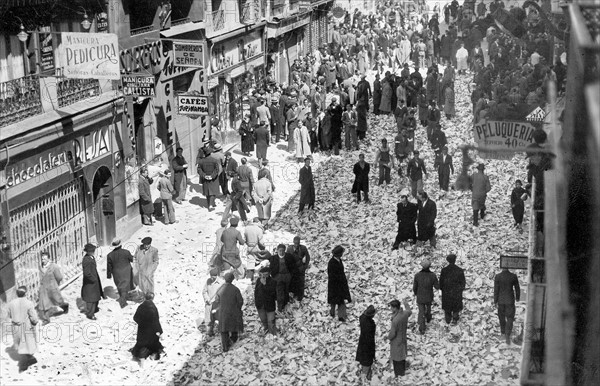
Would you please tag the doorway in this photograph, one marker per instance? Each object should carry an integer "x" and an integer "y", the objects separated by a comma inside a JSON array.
[{"x": 104, "y": 206}]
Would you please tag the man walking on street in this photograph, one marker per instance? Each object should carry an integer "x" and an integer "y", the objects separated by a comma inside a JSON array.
[
  {"x": 307, "y": 187},
  {"x": 415, "y": 171},
  {"x": 452, "y": 285},
  {"x": 146, "y": 260},
  {"x": 118, "y": 264},
  {"x": 302, "y": 261},
  {"x": 166, "y": 195},
  {"x": 24, "y": 318},
  {"x": 282, "y": 268},
  {"x": 265, "y": 294},
  {"x": 407, "y": 216},
  {"x": 480, "y": 186},
  {"x": 424, "y": 283},
  {"x": 426, "y": 219},
  {"x": 179, "y": 165},
  {"x": 91, "y": 291},
  {"x": 397, "y": 336},
  {"x": 337, "y": 285},
  {"x": 365, "y": 353},
  {"x": 506, "y": 291},
  {"x": 361, "y": 178},
  {"x": 230, "y": 316}
]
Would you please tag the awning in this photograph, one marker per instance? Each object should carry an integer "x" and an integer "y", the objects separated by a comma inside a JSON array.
[
  {"x": 182, "y": 29},
  {"x": 275, "y": 30}
]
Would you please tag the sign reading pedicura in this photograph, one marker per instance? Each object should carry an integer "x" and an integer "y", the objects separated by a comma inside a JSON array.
[
  {"x": 138, "y": 86},
  {"x": 507, "y": 136},
  {"x": 188, "y": 54},
  {"x": 194, "y": 105},
  {"x": 90, "y": 55}
]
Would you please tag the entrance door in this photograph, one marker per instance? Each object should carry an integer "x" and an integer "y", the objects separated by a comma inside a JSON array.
[{"x": 104, "y": 206}]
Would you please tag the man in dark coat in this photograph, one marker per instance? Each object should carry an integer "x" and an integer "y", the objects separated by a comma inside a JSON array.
[
  {"x": 118, "y": 264},
  {"x": 283, "y": 268},
  {"x": 452, "y": 285},
  {"x": 302, "y": 262},
  {"x": 517, "y": 204},
  {"x": 229, "y": 313},
  {"x": 337, "y": 285},
  {"x": 424, "y": 283},
  {"x": 365, "y": 352},
  {"x": 179, "y": 165},
  {"x": 229, "y": 166},
  {"x": 480, "y": 186},
  {"x": 247, "y": 134},
  {"x": 335, "y": 111},
  {"x": 208, "y": 173},
  {"x": 426, "y": 219},
  {"x": 361, "y": 178},
  {"x": 246, "y": 178},
  {"x": 414, "y": 171},
  {"x": 91, "y": 292},
  {"x": 307, "y": 186},
  {"x": 506, "y": 290},
  {"x": 261, "y": 137},
  {"x": 407, "y": 216},
  {"x": 376, "y": 95},
  {"x": 149, "y": 330},
  {"x": 265, "y": 295},
  {"x": 277, "y": 121},
  {"x": 146, "y": 203},
  {"x": 363, "y": 91},
  {"x": 445, "y": 168}
]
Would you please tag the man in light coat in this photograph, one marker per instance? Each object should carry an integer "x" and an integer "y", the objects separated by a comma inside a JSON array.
[
  {"x": 22, "y": 313},
  {"x": 146, "y": 262},
  {"x": 209, "y": 293},
  {"x": 480, "y": 186},
  {"x": 397, "y": 335},
  {"x": 166, "y": 195},
  {"x": 262, "y": 193}
]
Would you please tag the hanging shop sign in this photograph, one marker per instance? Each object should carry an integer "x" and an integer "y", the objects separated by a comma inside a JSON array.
[
  {"x": 189, "y": 54},
  {"x": 145, "y": 58},
  {"x": 90, "y": 55},
  {"x": 139, "y": 86},
  {"x": 102, "y": 22},
  {"x": 536, "y": 115},
  {"x": 233, "y": 52},
  {"x": 513, "y": 262},
  {"x": 193, "y": 105},
  {"x": 506, "y": 136},
  {"x": 46, "y": 52}
]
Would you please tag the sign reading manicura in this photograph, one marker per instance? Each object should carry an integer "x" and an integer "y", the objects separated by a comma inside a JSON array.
[{"x": 90, "y": 55}]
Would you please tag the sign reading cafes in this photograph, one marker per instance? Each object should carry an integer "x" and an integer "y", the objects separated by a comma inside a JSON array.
[
  {"x": 503, "y": 135},
  {"x": 90, "y": 55},
  {"x": 138, "y": 86},
  {"x": 188, "y": 54},
  {"x": 194, "y": 105}
]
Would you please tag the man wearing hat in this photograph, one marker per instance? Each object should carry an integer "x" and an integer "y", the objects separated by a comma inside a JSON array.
[
  {"x": 179, "y": 165},
  {"x": 263, "y": 112},
  {"x": 229, "y": 313},
  {"x": 452, "y": 285},
  {"x": 397, "y": 335},
  {"x": 146, "y": 262},
  {"x": 23, "y": 322},
  {"x": 480, "y": 186},
  {"x": 307, "y": 186},
  {"x": 91, "y": 291},
  {"x": 118, "y": 264},
  {"x": 276, "y": 121},
  {"x": 209, "y": 169},
  {"x": 166, "y": 195},
  {"x": 337, "y": 284},
  {"x": 506, "y": 291},
  {"x": 146, "y": 203},
  {"x": 406, "y": 213},
  {"x": 262, "y": 139},
  {"x": 424, "y": 283},
  {"x": 302, "y": 261},
  {"x": 230, "y": 165},
  {"x": 247, "y": 135},
  {"x": 209, "y": 293},
  {"x": 445, "y": 168},
  {"x": 265, "y": 296},
  {"x": 415, "y": 171},
  {"x": 230, "y": 238},
  {"x": 365, "y": 352}
]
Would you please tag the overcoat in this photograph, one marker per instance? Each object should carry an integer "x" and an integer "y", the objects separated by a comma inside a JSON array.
[
  {"x": 92, "y": 287},
  {"x": 146, "y": 203},
  {"x": 209, "y": 166},
  {"x": 426, "y": 220},
  {"x": 21, "y": 312},
  {"x": 118, "y": 264},
  {"x": 337, "y": 284},
  {"x": 407, "y": 216},
  {"x": 247, "y": 135},
  {"x": 452, "y": 284},
  {"x": 307, "y": 186},
  {"x": 147, "y": 342},
  {"x": 229, "y": 313},
  {"x": 365, "y": 353},
  {"x": 361, "y": 177},
  {"x": 480, "y": 186},
  {"x": 50, "y": 295},
  {"x": 397, "y": 336},
  {"x": 386, "y": 97},
  {"x": 146, "y": 262}
]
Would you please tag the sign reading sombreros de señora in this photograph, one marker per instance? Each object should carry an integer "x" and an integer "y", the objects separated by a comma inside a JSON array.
[
  {"x": 90, "y": 55},
  {"x": 507, "y": 136},
  {"x": 189, "y": 54}
]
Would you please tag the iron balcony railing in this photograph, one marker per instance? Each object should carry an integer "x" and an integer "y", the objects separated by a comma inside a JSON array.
[
  {"x": 19, "y": 99},
  {"x": 141, "y": 30}
]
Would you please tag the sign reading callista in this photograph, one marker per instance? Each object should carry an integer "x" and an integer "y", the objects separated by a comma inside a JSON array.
[
  {"x": 506, "y": 136},
  {"x": 138, "y": 86},
  {"x": 90, "y": 55}
]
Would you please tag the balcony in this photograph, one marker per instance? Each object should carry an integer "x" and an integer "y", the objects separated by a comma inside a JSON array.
[
  {"x": 283, "y": 10},
  {"x": 74, "y": 90},
  {"x": 252, "y": 11},
  {"x": 19, "y": 99},
  {"x": 217, "y": 20}
]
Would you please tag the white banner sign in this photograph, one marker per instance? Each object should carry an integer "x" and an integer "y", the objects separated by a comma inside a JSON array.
[
  {"x": 192, "y": 105},
  {"x": 188, "y": 54},
  {"x": 90, "y": 55}
]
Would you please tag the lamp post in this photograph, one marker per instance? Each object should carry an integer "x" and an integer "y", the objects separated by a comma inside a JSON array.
[
  {"x": 23, "y": 36},
  {"x": 85, "y": 23}
]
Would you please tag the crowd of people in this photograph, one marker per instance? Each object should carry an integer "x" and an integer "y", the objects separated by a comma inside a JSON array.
[{"x": 324, "y": 109}]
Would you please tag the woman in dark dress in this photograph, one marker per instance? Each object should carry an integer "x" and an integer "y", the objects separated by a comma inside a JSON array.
[
  {"x": 365, "y": 353},
  {"x": 149, "y": 330}
]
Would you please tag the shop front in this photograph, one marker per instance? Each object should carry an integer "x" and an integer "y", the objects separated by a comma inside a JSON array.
[
  {"x": 61, "y": 191},
  {"x": 287, "y": 42},
  {"x": 237, "y": 65},
  {"x": 319, "y": 24}
]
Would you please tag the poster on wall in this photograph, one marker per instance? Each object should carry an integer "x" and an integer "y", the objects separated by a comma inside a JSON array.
[
  {"x": 189, "y": 54},
  {"x": 46, "y": 53},
  {"x": 506, "y": 136},
  {"x": 90, "y": 55}
]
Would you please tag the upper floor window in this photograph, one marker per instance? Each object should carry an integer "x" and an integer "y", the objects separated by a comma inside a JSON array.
[{"x": 140, "y": 15}]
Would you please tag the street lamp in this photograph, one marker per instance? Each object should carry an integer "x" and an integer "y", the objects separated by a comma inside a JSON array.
[
  {"x": 86, "y": 24},
  {"x": 22, "y": 35}
]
